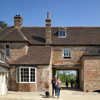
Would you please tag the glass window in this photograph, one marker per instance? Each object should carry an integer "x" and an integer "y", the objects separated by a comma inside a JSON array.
[
  {"x": 7, "y": 50},
  {"x": 32, "y": 76},
  {"x": 62, "y": 34},
  {"x": 25, "y": 75},
  {"x": 67, "y": 53}
]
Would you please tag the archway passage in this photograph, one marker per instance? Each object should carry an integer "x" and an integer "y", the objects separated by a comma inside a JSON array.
[
  {"x": 72, "y": 75},
  {"x": 69, "y": 78}
]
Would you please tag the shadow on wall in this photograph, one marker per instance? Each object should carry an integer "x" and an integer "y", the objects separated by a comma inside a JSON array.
[{"x": 97, "y": 91}]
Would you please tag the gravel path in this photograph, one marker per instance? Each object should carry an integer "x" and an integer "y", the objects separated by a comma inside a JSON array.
[{"x": 65, "y": 95}]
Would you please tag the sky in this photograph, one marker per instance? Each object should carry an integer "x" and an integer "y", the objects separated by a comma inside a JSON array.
[
  {"x": 62, "y": 12},
  {"x": 68, "y": 72}
]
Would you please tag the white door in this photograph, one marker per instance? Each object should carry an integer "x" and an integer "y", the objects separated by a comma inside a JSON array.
[
  {"x": 3, "y": 84},
  {"x": 0, "y": 83}
]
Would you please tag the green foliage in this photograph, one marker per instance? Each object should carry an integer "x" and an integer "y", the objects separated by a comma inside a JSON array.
[
  {"x": 63, "y": 76},
  {"x": 3, "y": 24}
]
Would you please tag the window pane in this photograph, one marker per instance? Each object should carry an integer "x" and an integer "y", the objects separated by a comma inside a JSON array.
[
  {"x": 62, "y": 33},
  {"x": 59, "y": 33},
  {"x": 24, "y": 74},
  {"x": 7, "y": 46},
  {"x": 7, "y": 50},
  {"x": 67, "y": 53},
  {"x": 32, "y": 76}
]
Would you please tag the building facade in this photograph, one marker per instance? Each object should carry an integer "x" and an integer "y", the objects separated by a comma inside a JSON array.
[{"x": 35, "y": 53}]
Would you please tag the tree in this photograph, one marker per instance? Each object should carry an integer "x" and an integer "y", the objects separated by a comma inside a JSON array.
[
  {"x": 58, "y": 74},
  {"x": 64, "y": 76},
  {"x": 3, "y": 24},
  {"x": 73, "y": 76}
]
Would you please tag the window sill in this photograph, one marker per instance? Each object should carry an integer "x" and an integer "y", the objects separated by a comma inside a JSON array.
[
  {"x": 62, "y": 37},
  {"x": 66, "y": 58}
]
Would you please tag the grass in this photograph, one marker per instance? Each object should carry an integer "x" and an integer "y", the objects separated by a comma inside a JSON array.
[{"x": 63, "y": 83}]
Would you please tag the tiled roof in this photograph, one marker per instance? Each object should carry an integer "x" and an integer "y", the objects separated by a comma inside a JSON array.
[
  {"x": 36, "y": 35},
  {"x": 77, "y": 36},
  {"x": 12, "y": 34},
  {"x": 37, "y": 55}
]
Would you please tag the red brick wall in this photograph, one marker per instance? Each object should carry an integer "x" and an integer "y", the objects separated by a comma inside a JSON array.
[{"x": 28, "y": 87}]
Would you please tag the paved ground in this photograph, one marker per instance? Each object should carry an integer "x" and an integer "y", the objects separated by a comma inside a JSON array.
[{"x": 65, "y": 95}]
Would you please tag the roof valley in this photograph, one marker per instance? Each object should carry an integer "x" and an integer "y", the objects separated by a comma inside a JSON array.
[{"x": 23, "y": 35}]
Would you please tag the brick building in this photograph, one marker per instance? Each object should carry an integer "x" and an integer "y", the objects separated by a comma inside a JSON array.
[{"x": 35, "y": 53}]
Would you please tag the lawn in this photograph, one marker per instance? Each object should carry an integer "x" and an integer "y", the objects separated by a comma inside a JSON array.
[{"x": 64, "y": 84}]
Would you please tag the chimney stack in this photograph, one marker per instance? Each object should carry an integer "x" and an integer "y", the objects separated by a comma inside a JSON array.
[
  {"x": 18, "y": 21},
  {"x": 48, "y": 30}
]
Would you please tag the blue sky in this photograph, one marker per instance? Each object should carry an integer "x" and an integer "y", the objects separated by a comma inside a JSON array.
[{"x": 62, "y": 12}]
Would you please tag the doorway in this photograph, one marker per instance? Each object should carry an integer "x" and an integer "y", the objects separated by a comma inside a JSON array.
[
  {"x": 3, "y": 83},
  {"x": 68, "y": 78}
]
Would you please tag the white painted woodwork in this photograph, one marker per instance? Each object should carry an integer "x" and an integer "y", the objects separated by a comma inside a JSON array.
[{"x": 3, "y": 81}]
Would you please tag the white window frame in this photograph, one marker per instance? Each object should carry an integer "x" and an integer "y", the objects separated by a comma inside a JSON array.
[
  {"x": 61, "y": 36},
  {"x": 19, "y": 68},
  {"x": 69, "y": 57}
]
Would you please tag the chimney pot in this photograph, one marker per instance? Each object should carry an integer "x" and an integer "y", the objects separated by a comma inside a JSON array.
[
  {"x": 48, "y": 15},
  {"x": 18, "y": 21}
]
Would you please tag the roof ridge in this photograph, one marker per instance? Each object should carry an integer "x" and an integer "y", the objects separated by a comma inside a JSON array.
[
  {"x": 7, "y": 33},
  {"x": 22, "y": 34}
]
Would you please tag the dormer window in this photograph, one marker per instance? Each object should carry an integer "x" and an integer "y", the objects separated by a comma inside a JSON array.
[
  {"x": 67, "y": 53},
  {"x": 62, "y": 34}
]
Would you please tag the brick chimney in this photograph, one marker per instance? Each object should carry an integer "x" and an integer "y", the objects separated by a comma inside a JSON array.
[
  {"x": 48, "y": 30},
  {"x": 18, "y": 21}
]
